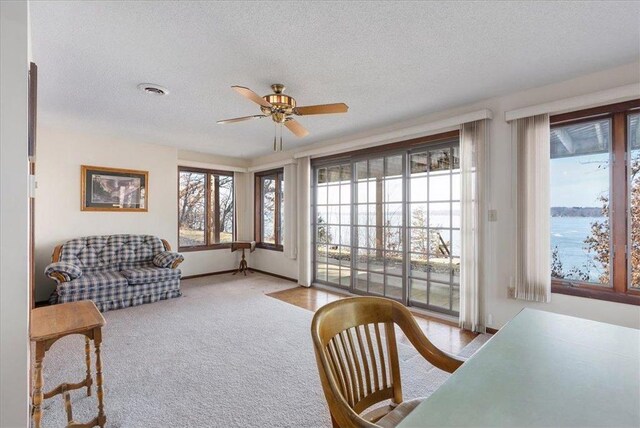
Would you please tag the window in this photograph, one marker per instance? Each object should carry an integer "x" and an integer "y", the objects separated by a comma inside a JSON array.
[
  {"x": 205, "y": 209},
  {"x": 595, "y": 203},
  {"x": 388, "y": 223},
  {"x": 269, "y": 203}
]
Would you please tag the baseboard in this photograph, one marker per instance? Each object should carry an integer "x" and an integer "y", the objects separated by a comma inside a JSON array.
[
  {"x": 274, "y": 274},
  {"x": 200, "y": 275}
]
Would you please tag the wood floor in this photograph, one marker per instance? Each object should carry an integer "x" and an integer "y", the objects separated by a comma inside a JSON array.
[{"x": 445, "y": 335}]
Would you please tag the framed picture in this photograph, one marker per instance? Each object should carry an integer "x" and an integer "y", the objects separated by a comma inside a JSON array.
[{"x": 114, "y": 189}]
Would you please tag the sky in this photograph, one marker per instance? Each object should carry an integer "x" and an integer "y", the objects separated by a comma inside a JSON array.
[{"x": 578, "y": 182}]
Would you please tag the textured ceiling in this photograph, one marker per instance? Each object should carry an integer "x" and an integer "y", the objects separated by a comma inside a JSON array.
[{"x": 388, "y": 61}]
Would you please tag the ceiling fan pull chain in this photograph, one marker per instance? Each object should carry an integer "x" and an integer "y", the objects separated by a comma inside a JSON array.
[
  {"x": 280, "y": 137},
  {"x": 275, "y": 134}
]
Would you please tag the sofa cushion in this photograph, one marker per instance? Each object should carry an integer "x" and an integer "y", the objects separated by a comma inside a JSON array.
[
  {"x": 109, "y": 279},
  {"x": 166, "y": 259},
  {"x": 150, "y": 274},
  {"x": 139, "y": 248},
  {"x": 135, "y": 265},
  {"x": 109, "y": 252}
]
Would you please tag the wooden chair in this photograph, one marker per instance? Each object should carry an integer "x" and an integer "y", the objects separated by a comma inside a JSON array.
[{"x": 358, "y": 364}]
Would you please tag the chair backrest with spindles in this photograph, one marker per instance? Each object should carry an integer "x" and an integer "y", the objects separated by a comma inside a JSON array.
[{"x": 357, "y": 355}]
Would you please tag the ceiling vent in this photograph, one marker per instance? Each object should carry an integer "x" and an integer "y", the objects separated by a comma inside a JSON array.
[{"x": 153, "y": 89}]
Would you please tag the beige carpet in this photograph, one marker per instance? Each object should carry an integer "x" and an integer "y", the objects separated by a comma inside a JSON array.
[{"x": 224, "y": 355}]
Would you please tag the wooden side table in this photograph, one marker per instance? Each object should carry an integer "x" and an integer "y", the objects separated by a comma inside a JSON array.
[
  {"x": 243, "y": 245},
  {"x": 50, "y": 323}
]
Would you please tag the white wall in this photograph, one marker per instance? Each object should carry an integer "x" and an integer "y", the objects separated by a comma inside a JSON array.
[
  {"x": 499, "y": 268},
  {"x": 58, "y": 214},
  {"x": 14, "y": 255}
]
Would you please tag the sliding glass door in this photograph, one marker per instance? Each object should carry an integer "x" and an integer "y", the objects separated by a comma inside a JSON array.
[
  {"x": 332, "y": 225},
  {"x": 389, "y": 225},
  {"x": 434, "y": 228},
  {"x": 379, "y": 226}
]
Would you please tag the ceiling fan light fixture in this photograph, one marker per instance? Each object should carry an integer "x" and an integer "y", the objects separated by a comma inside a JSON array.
[{"x": 281, "y": 109}]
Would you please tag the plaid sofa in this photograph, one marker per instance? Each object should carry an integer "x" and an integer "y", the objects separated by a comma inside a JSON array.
[{"x": 115, "y": 271}]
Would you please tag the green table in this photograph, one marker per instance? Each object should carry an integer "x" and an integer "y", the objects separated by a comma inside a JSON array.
[{"x": 543, "y": 369}]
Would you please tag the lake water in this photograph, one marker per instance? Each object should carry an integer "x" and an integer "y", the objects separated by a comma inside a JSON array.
[{"x": 568, "y": 234}]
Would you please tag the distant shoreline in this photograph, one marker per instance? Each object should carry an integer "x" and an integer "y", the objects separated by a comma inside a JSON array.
[{"x": 576, "y": 212}]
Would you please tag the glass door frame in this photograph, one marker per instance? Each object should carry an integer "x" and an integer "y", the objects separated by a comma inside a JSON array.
[{"x": 405, "y": 225}]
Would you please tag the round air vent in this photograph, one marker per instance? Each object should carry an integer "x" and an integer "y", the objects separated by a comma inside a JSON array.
[{"x": 153, "y": 89}]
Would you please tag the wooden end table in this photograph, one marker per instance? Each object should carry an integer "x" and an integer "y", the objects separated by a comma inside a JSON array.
[
  {"x": 243, "y": 245},
  {"x": 50, "y": 323}
]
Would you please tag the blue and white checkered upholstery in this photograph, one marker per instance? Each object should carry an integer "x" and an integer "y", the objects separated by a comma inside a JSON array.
[
  {"x": 68, "y": 271},
  {"x": 100, "y": 253},
  {"x": 116, "y": 271},
  {"x": 108, "y": 298},
  {"x": 93, "y": 281},
  {"x": 165, "y": 259},
  {"x": 150, "y": 274}
]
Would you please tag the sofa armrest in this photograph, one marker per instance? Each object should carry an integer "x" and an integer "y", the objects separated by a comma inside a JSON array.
[
  {"x": 63, "y": 272},
  {"x": 168, "y": 259}
]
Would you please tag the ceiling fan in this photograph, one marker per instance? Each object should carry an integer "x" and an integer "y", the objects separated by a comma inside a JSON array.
[{"x": 282, "y": 108}]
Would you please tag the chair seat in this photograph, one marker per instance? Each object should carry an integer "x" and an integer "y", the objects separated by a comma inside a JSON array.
[
  {"x": 394, "y": 417},
  {"x": 150, "y": 274}
]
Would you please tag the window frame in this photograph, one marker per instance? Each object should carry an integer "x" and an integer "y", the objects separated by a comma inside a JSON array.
[
  {"x": 278, "y": 173},
  {"x": 619, "y": 290},
  {"x": 209, "y": 174}
]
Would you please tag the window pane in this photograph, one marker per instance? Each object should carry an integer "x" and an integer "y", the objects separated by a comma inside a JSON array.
[
  {"x": 268, "y": 209},
  {"x": 440, "y": 160},
  {"x": 322, "y": 175},
  {"x": 334, "y": 174},
  {"x": 439, "y": 295},
  {"x": 419, "y": 163},
  {"x": 580, "y": 182},
  {"x": 394, "y": 166},
  {"x": 225, "y": 213},
  {"x": 634, "y": 200},
  {"x": 191, "y": 210}
]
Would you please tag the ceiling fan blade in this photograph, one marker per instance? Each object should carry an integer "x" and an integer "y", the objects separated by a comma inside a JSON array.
[
  {"x": 295, "y": 127},
  {"x": 241, "y": 119},
  {"x": 248, "y": 93},
  {"x": 321, "y": 109}
]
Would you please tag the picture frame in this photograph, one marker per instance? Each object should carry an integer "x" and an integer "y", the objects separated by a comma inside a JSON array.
[{"x": 113, "y": 189}]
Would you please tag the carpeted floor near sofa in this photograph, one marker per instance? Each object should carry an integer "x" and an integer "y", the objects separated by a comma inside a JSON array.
[{"x": 224, "y": 355}]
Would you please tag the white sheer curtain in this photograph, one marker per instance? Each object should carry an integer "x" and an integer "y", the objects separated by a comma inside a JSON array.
[
  {"x": 290, "y": 231},
  {"x": 472, "y": 170},
  {"x": 304, "y": 221},
  {"x": 533, "y": 259}
]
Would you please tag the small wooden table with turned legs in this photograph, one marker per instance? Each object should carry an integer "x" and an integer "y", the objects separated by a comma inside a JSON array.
[
  {"x": 243, "y": 245},
  {"x": 50, "y": 323}
]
